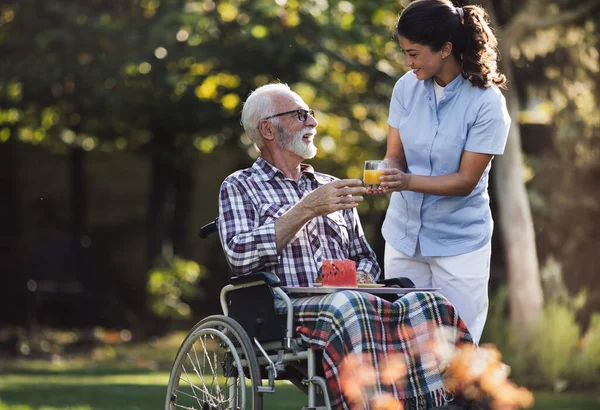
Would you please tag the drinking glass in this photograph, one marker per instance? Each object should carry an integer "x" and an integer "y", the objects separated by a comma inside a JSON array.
[{"x": 373, "y": 172}]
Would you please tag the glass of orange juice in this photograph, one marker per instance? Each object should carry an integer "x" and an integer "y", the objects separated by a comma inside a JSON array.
[{"x": 373, "y": 172}]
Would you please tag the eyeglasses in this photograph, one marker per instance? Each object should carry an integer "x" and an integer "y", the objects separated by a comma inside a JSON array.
[{"x": 302, "y": 114}]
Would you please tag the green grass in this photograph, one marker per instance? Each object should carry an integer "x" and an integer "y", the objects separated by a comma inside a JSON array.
[
  {"x": 134, "y": 377},
  {"x": 39, "y": 385},
  {"x": 45, "y": 386},
  {"x": 567, "y": 401},
  {"x": 125, "y": 376}
]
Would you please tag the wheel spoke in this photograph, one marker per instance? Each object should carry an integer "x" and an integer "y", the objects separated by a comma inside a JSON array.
[
  {"x": 215, "y": 398},
  {"x": 200, "y": 373},
  {"x": 187, "y": 379}
]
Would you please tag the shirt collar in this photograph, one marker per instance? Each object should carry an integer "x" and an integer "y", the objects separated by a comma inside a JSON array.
[
  {"x": 265, "y": 170},
  {"x": 451, "y": 88}
]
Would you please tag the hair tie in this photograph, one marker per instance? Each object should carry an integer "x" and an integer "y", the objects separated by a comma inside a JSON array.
[{"x": 461, "y": 13}]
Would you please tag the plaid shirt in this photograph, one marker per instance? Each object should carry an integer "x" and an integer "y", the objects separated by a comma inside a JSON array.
[{"x": 250, "y": 202}]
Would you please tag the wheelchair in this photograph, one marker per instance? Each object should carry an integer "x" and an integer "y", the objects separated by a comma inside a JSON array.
[{"x": 231, "y": 361}]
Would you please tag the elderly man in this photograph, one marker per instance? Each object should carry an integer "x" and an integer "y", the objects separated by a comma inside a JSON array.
[{"x": 282, "y": 216}]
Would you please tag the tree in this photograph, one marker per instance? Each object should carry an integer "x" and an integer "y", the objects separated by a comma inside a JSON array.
[
  {"x": 164, "y": 80},
  {"x": 513, "y": 28}
]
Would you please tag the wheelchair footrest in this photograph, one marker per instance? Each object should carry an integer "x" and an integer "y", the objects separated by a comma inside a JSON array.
[{"x": 266, "y": 389}]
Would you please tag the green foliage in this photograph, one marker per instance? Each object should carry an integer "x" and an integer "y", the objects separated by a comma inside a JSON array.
[
  {"x": 169, "y": 77},
  {"x": 554, "y": 344},
  {"x": 586, "y": 367},
  {"x": 170, "y": 283},
  {"x": 159, "y": 76},
  {"x": 557, "y": 355},
  {"x": 498, "y": 331},
  {"x": 495, "y": 325}
]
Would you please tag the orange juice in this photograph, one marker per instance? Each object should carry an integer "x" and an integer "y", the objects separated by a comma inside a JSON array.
[{"x": 371, "y": 176}]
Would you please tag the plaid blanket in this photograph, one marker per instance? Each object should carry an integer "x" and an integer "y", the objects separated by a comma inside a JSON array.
[{"x": 352, "y": 322}]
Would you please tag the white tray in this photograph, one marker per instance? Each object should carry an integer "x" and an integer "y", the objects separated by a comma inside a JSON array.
[{"x": 376, "y": 291}]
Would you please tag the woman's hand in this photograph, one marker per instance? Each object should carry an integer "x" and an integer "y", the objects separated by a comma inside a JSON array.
[
  {"x": 375, "y": 191},
  {"x": 393, "y": 180}
]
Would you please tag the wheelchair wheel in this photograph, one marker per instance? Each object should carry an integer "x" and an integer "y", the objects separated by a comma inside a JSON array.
[{"x": 215, "y": 369}]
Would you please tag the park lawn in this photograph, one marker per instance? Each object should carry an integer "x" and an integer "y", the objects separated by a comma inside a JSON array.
[
  {"x": 33, "y": 385},
  {"x": 42, "y": 385},
  {"x": 135, "y": 376}
]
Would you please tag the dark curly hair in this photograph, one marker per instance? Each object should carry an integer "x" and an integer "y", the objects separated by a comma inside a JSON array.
[{"x": 474, "y": 45}]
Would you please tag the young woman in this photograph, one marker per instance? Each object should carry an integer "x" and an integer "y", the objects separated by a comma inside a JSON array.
[{"x": 447, "y": 120}]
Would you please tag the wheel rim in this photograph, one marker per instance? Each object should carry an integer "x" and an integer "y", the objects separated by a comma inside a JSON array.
[{"x": 210, "y": 375}]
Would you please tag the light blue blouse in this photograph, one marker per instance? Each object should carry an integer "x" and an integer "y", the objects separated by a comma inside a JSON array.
[{"x": 468, "y": 118}]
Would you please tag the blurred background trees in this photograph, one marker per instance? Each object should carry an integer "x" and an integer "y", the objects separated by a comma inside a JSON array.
[
  {"x": 119, "y": 120},
  {"x": 516, "y": 25}
]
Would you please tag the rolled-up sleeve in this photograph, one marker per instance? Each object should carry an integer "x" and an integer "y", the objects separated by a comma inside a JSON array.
[
  {"x": 249, "y": 246},
  {"x": 360, "y": 250}
]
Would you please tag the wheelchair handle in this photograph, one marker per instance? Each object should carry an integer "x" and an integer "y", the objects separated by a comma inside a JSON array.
[{"x": 208, "y": 229}]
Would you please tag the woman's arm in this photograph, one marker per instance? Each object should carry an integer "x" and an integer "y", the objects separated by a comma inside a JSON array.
[
  {"x": 486, "y": 138},
  {"x": 395, "y": 151},
  {"x": 461, "y": 183}
]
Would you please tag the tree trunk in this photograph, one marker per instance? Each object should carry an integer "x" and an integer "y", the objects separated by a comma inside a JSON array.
[
  {"x": 516, "y": 223},
  {"x": 160, "y": 208},
  {"x": 516, "y": 228},
  {"x": 12, "y": 287},
  {"x": 181, "y": 214},
  {"x": 159, "y": 223},
  {"x": 77, "y": 193},
  {"x": 79, "y": 241}
]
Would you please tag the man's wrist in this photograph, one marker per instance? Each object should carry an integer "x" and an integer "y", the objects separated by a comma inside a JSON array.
[{"x": 303, "y": 212}]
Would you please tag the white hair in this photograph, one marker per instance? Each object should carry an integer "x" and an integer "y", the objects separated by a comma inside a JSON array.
[{"x": 259, "y": 105}]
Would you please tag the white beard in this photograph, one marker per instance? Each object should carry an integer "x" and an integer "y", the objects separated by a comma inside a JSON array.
[{"x": 294, "y": 142}]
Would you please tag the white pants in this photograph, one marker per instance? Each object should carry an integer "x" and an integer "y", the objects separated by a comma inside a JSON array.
[{"x": 462, "y": 279}]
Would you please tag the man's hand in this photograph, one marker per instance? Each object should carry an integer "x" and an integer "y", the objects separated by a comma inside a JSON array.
[
  {"x": 364, "y": 278},
  {"x": 332, "y": 197},
  {"x": 329, "y": 198}
]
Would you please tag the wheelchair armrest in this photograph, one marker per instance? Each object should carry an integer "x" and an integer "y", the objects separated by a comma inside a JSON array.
[
  {"x": 267, "y": 277},
  {"x": 401, "y": 282}
]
